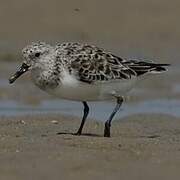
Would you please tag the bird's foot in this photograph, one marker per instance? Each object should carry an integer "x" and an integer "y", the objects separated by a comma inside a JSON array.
[
  {"x": 78, "y": 133},
  {"x": 107, "y": 132}
]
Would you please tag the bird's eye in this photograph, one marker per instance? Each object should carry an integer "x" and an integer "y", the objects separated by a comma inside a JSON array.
[{"x": 37, "y": 54}]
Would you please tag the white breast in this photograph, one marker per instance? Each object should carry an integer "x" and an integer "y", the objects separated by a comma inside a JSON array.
[{"x": 73, "y": 89}]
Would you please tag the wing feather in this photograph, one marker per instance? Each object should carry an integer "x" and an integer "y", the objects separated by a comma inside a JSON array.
[{"x": 90, "y": 63}]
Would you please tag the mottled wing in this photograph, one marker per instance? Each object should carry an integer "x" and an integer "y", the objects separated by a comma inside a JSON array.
[{"x": 92, "y": 64}]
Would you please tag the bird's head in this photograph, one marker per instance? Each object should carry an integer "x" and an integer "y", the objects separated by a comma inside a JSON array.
[{"x": 32, "y": 54}]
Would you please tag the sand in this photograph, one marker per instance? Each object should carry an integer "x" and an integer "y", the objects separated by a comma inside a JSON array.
[
  {"x": 142, "y": 147},
  {"x": 42, "y": 147}
]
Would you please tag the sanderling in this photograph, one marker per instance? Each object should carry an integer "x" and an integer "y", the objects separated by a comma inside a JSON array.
[{"x": 83, "y": 72}]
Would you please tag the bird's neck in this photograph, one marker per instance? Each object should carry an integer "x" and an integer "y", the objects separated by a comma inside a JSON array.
[{"x": 46, "y": 74}]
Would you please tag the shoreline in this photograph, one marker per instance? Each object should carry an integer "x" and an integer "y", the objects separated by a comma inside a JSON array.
[{"x": 42, "y": 147}]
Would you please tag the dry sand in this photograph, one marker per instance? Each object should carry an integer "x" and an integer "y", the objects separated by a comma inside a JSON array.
[
  {"x": 136, "y": 29},
  {"x": 141, "y": 147}
]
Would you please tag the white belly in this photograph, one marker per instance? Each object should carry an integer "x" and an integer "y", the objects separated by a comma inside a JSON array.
[{"x": 80, "y": 91}]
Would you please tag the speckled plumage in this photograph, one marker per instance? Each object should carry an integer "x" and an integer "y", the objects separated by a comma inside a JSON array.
[
  {"x": 83, "y": 63},
  {"x": 92, "y": 64},
  {"x": 83, "y": 72}
]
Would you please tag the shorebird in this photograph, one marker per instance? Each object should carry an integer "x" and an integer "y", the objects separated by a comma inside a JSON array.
[{"x": 83, "y": 72}]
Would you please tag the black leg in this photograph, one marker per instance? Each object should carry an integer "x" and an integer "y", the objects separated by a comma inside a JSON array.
[
  {"x": 86, "y": 112},
  {"x": 107, "y": 127}
]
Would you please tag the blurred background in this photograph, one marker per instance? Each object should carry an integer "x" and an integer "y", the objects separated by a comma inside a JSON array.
[{"x": 138, "y": 29}]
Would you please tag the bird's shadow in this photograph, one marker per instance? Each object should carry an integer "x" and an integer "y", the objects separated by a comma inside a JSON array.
[{"x": 83, "y": 134}]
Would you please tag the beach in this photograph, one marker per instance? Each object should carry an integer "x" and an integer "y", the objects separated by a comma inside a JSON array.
[
  {"x": 42, "y": 147},
  {"x": 36, "y": 140}
]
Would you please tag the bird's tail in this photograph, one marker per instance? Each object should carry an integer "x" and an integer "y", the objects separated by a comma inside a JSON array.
[{"x": 145, "y": 67}]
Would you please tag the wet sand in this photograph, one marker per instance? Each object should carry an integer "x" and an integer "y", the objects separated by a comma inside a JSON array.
[
  {"x": 42, "y": 147},
  {"x": 142, "y": 147}
]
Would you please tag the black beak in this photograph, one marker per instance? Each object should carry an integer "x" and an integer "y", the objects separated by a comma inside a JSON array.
[{"x": 21, "y": 71}]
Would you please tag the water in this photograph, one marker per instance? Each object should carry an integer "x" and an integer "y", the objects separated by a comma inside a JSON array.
[
  {"x": 98, "y": 110},
  {"x": 159, "y": 95}
]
